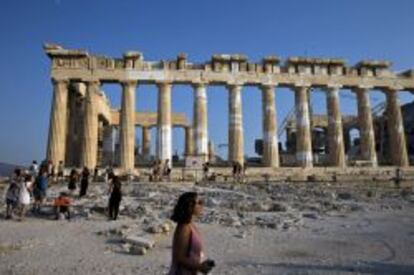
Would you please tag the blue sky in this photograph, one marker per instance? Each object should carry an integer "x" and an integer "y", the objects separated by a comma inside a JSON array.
[{"x": 354, "y": 30}]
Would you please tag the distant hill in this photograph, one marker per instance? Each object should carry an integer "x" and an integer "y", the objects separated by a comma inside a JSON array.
[{"x": 6, "y": 169}]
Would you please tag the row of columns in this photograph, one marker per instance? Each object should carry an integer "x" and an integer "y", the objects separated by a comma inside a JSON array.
[
  {"x": 197, "y": 135},
  {"x": 398, "y": 149}
]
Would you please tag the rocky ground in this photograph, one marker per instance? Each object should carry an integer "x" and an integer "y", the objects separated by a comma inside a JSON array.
[{"x": 255, "y": 228}]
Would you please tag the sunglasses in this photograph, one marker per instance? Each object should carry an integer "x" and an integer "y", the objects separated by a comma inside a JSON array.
[{"x": 199, "y": 202}]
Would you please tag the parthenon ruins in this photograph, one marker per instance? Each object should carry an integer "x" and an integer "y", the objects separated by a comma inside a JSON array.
[{"x": 80, "y": 110}]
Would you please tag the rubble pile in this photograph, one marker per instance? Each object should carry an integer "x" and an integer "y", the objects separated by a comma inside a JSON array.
[{"x": 272, "y": 205}]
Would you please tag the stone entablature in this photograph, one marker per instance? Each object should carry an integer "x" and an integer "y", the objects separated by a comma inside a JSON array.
[
  {"x": 227, "y": 69},
  {"x": 149, "y": 119}
]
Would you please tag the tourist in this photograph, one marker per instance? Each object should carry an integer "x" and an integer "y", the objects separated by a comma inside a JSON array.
[
  {"x": 34, "y": 168},
  {"x": 206, "y": 168},
  {"x": 109, "y": 173},
  {"x": 156, "y": 170},
  {"x": 50, "y": 168},
  {"x": 237, "y": 171},
  {"x": 39, "y": 190},
  {"x": 115, "y": 197},
  {"x": 166, "y": 170},
  {"x": 73, "y": 179},
  {"x": 398, "y": 177},
  {"x": 62, "y": 205},
  {"x": 243, "y": 169},
  {"x": 234, "y": 169},
  {"x": 12, "y": 194},
  {"x": 95, "y": 173},
  {"x": 60, "y": 173},
  {"x": 84, "y": 182},
  {"x": 187, "y": 248},
  {"x": 24, "y": 195}
]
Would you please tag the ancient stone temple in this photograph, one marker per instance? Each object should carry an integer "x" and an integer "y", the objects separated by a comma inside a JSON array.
[{"x": 81, "y": 116}]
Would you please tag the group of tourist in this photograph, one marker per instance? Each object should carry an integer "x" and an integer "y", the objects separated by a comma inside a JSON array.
[
  {"x": 160, "y": 170},
  {"x": 187, "y": 249},
  {"x": 25, "y": 185},
  {"x": 30, "y": 185}
]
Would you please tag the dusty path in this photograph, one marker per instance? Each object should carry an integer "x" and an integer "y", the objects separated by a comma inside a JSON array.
[{"x": 356, "y": 242}]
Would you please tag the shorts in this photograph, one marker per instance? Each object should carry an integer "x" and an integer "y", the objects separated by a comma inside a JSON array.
[
  {"x": 39, "y": 194},
  {"x": 13, "y": 203},
  {"x": 63, "y": 208}
]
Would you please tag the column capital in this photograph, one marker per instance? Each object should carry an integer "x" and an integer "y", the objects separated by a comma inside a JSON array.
[
  {"x": 393, "y": 89},
  {"x": 333, "y": 86},
  {"x": 235, "y": 82},
  {"x": 92, "y": 82},
  {"x": 268, "y": 85},
  {"x": 234, "y": 85},
  {"x": 199, "y": 84},
  {"x": 332, "y": 92},
  {"x": 163, "y": 83},
  {"x": 59, "y": 80},
  {"x": 128, "y": 82},
  {"x": 302, "y": 84},
  {"x": 363, "y": 86}
]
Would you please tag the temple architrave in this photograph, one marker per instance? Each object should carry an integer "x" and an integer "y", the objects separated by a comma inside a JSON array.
[{"x": 81, "y": 115}]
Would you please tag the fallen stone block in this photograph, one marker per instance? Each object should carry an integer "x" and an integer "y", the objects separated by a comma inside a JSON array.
[
  {"x": 137, "y": 250},
  {"x": 344, "y": 196},
  {"x": 140, "y": 241}
]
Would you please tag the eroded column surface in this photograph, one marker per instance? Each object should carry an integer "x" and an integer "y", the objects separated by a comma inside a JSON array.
[
  {"x": 77, "y": 135},
  {"x": 146, "y": 142},
  {"x": 303, "y": 130},
  {"x": 58, "y": 123},
  {"x": 127, "y": 126},
  {"x": 164, "y": 137},
  {"x": 236, "y": 140},
  {"x": 335, "y": 130},
  {"x": 90, "y": 126},
  {"x": 189, "y": 145},
  {"x": 200, "y": 131},
  {"x": 71, "y": 134},
  {"x": 366, "y": 126},
  {"x": 270, "y": 141},
  {"x": 395, "y": 125}
]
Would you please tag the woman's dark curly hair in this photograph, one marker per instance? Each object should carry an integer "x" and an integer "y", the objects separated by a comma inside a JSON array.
[{"x": 183, "y": 210}]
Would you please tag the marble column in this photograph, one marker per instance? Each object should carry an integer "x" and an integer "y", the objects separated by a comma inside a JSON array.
[
  {"x": 200, "y": 132},
  {"x": 127, "y": 126},
  {"x": 108, "y": 145},
  {"x": 90, "y": 126},
  {"x": 146, "y": 142},
  {"x": 335, "y": 130},
  {"x": 270, "y": 141},
  {"x": 303, "y": 129},
  {"x": 164, "y": 134},
  {"x": 236, "y": 139},
  {"x": 77, "y": 135},
  {"x": 71, "y": 134},
  {"x": 395, "y": 125},
  {"x": 366, "y": 126},
  {"x": 58, "y": 123},
  {"x": 189, "y": 145}
]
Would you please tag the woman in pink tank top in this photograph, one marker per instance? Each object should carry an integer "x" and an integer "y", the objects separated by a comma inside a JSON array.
[{"x": 187, "y": 250}]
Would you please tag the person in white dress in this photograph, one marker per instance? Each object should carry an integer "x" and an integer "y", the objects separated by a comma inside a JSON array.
[{"x": 24, "y": 195}]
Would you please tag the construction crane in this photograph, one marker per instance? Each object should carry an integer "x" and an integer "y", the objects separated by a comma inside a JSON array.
[
  {"x": 377, "y": 110},
  {"x": 285, "y": 122}
]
